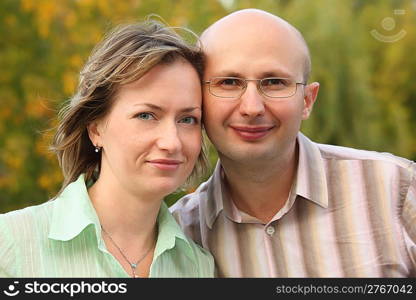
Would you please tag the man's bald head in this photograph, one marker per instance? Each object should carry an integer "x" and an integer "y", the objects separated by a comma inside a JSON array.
[{"x": 253, "y": 23}]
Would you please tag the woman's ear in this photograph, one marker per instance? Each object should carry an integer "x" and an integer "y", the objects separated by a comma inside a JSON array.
[{"x": 95, "y": 133}]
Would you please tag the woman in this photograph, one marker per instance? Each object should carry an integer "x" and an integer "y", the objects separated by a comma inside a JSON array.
[{"x": 130, "y": 136}]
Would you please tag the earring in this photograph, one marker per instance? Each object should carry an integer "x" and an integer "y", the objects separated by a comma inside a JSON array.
[{"x": 97, "y": 149}]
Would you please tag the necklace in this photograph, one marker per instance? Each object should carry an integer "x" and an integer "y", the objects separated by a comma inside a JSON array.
[{"x": 132, "y": 265}]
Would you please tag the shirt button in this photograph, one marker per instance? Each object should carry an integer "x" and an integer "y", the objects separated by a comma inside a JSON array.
[{"x": 270, "y": 230}]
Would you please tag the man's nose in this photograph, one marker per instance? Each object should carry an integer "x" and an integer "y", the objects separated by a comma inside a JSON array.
[
  {"x": 252, "y": 101},
  {"x": 169, "y": 139}
]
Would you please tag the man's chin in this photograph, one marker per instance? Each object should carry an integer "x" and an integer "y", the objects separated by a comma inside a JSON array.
[{"x": 248, "y": 155}]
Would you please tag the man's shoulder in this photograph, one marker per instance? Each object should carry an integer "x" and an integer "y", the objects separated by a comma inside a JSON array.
[
  {"x": 186, "y": 209},
  {"x": 190, "y": 210},
  {"x": 339, "y": 153}
]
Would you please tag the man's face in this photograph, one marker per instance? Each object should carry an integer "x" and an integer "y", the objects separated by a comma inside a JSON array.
[{"x": 255, "y": 127}]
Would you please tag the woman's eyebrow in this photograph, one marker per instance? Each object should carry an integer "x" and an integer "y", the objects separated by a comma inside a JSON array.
[{"x": 156, "y": 107}]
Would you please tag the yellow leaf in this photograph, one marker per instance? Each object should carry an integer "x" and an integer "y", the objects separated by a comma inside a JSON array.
[
  {"x": 27, "y": 5},
  {"x": 69, "y": 83}
]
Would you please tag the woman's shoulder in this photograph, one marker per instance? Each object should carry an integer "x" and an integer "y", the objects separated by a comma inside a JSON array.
[
  {"x": 18, "y": 224},
  {"x": 27, "y": 214},
  {"x": 18, "y": 230}
]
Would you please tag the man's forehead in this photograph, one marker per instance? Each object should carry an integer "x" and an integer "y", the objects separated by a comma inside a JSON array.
[
  {"x": 252, "y": 33},
  {"x": 246, "y": 21}
]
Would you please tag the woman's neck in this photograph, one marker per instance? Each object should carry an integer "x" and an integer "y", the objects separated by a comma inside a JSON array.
[
  {"x": 128, "y": 223},
  {"x": 123, "y": 213}
]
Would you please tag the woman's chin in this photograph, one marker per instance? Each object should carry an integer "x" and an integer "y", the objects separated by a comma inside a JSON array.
[{"x": 164, "y": 187}]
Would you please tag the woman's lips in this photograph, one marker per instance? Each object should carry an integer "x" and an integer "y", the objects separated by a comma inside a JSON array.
[
  {"x": 165, "y": 164},
  {"x": 252, "y": 133}
]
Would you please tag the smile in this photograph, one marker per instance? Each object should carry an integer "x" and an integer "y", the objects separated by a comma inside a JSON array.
[
  {"x": 165, "y": 164},
  {"x": 252, "y": 133}
]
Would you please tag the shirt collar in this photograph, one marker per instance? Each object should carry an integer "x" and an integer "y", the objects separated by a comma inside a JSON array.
[
  {"x": 171, "y": 235},
  {"x": 73, "y": 212},
  {"x": 310, "y": 182},
  {"x": 213, "y": 203}
]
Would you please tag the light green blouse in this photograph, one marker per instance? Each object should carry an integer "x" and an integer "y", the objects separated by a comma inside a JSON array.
[{"x": 62, "y": 238}]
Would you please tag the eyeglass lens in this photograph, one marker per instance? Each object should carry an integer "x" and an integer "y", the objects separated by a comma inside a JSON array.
[{"x": 231, "y": 87}]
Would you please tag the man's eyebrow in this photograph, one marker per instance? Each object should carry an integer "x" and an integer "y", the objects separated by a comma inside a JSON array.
[
  {"x": 279, "y": 73},
  {"x": 226, "y": 73},
  {"x": 273, "y": 73},
  {"x": 156, "y": 107}
]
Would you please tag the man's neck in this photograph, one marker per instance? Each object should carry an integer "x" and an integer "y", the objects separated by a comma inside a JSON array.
[{"x": 260, "y": 189}]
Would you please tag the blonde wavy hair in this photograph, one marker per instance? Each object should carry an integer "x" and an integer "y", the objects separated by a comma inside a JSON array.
[{"x": 124, "y": 55}]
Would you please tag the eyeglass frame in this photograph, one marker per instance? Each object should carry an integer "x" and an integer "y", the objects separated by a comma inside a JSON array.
[{"x": 258, "y": 85}]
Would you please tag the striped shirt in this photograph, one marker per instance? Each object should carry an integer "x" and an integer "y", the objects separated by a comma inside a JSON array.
[
  {"x": 350, "y": 213},
  {"x": 62, "y": 238}
]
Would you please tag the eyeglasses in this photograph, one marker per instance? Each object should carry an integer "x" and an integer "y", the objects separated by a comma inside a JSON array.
[{"x": 234, "y": 87}]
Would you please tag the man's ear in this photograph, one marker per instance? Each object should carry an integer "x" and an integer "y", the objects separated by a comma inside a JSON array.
[
  {"x": 311, "y": 92},
  {"x": 95, "y": 133}
]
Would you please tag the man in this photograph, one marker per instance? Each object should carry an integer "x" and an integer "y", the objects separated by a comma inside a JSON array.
[{"x": 279, "y": 205}]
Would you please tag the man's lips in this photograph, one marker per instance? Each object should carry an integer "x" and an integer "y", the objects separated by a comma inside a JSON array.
[
  {"x": 251, "y": 133},
  {"x": 165, "y": 164}
]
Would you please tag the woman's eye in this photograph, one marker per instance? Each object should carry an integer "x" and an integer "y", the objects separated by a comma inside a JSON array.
[
  {"x": 189, "y": 120},
  {"x": 145, "y": 116}
]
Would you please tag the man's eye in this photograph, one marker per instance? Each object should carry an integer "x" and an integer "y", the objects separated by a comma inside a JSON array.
[
  {"x": 189, "y": 120},
  {"x": 145, "y": 116},
  {"x": 229, "y": 81},
  {"x": 226, "y": 81},
  {"x": 273, "y": 81}
]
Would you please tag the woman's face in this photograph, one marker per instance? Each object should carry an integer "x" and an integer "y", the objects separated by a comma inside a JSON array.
[{"x": 151, "y": 138}]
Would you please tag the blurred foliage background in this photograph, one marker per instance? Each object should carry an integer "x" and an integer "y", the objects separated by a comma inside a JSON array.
[{"x": 363, "y": 54}]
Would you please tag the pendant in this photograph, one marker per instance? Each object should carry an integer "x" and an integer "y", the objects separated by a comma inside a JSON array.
[
  {"x": 134, "y": 266},
  {"x": 134, "y": 274}
]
